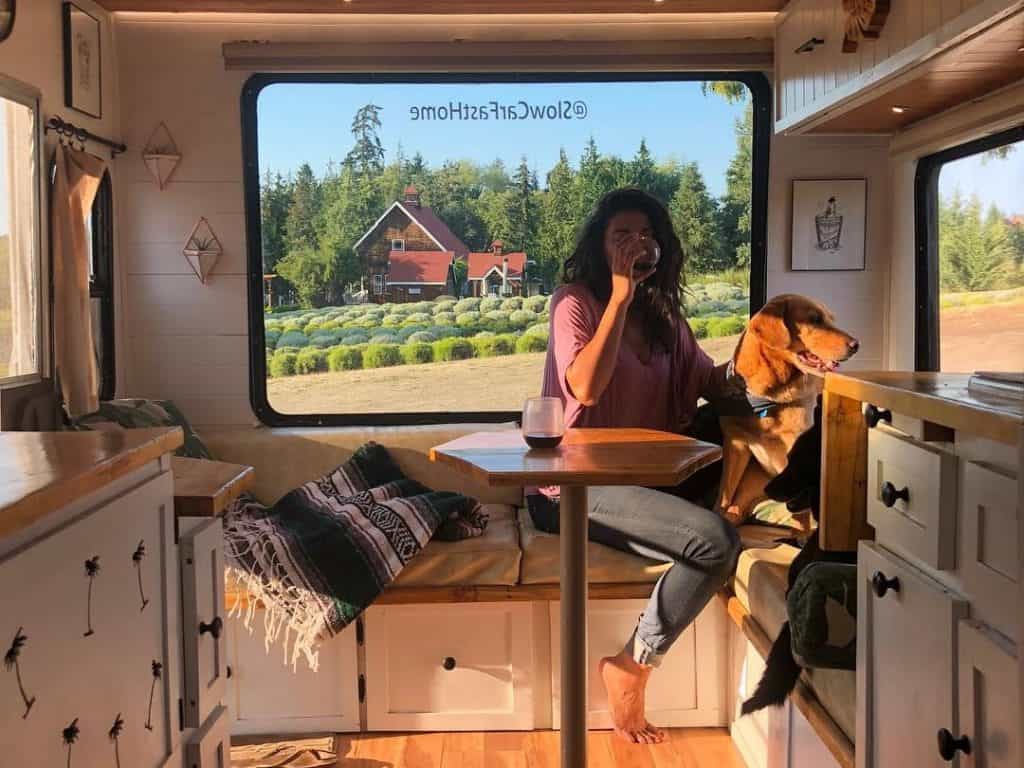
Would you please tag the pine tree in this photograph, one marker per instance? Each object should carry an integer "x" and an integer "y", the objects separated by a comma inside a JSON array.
[
  {"x": 523, "y": 214},
  {"x": 642, "y": 171},
  {"x": 367, "y": 155},
  {"x": 300, "y": 231},
  {"x": 275, "y": 202},
  {"x": 694, "y": 215},
  {"x": 736, "y": 203},
  {"x": 558, "y": 223},
  {"x": 588, "y": 182}
]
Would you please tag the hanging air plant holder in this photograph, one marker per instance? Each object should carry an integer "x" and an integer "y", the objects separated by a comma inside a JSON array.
[
  {"x": 161, "y": 155},
  {"x": 202, "y": 249}
]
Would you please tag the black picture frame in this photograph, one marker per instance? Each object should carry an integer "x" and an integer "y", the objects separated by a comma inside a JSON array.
[
  {"x": 761, "y": 97},
  {"x": 12, "y": 15},
  {"x": 73, "y": 98}
]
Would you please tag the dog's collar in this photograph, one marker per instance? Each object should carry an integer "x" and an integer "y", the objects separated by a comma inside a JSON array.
[{"x": 740, "y": 401}]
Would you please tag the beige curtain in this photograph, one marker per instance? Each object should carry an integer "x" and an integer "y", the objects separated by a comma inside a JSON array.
[
  {"x": 23, "y": 242},
  {"x": 78, "y": 176}
]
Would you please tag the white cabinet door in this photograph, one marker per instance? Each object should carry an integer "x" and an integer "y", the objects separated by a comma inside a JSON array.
[
  {"x": 210, "y": 746},
  {"x": 460, "y": 667},
  {"x": 906, "y": 640},
  {"x": 92, "y": 677},
  {"x": 686, "y": 691},
  {"x": 989, "y": 712},
  {"x": 202, "y": 581}
]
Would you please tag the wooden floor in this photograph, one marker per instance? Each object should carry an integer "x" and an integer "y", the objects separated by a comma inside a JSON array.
[{"x": 684, "y": 748}]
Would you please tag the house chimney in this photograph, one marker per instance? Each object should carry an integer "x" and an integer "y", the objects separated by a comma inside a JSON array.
[
  {"x": 412, "y": 196},
  {"x": 497, "y": 247},
  {"x": 504, "y": 273}
]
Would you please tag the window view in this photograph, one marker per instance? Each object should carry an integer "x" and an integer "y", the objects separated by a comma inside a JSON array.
[
  {"x": 981, "y": 261},
  {"x": 412, "y": 234},
  {"x": 19, "y": 242}
]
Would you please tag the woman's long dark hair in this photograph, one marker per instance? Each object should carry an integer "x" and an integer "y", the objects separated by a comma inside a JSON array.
[{"x": 658, "y": 299}]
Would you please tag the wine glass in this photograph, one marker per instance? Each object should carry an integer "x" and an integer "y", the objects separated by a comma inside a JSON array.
[
  {"x": 543, "y": 422},
  {"x": 651, "y": 256}
]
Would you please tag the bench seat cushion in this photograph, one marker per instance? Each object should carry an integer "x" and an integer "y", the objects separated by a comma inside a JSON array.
[
  {"x": 287, "y": 458},
  {"x": 491, "y": 559},
  {"x": 760, "y": 585}
]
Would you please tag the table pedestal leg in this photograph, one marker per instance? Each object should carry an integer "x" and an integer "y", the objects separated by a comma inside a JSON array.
[{"x": 573, "y": 536}]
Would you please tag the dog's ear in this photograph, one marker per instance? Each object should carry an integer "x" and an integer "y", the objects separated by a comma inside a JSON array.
[{"x": 769, "y": 325}]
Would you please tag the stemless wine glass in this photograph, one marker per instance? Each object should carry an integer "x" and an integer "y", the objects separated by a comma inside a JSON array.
[{"x": 543, "y": 422}]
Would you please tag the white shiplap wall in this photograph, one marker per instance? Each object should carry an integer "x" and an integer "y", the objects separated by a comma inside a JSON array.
[{"x": 188, "y": 342}]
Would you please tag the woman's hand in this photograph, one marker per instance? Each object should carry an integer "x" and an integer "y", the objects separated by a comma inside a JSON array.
[{"x": 624, "y": 280}]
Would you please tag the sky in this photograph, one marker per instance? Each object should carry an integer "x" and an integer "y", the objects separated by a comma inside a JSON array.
[
  {"x": 994, "y": 180},
  {"x": 311, "y": 123}
]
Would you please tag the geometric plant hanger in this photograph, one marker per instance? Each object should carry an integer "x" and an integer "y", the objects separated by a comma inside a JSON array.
[
  {"x": 161, "y": 155},
  {"x": 202, "y": 249}
]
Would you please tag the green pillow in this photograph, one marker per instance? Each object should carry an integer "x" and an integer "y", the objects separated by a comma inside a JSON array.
[{"x": 143, "y": 414}]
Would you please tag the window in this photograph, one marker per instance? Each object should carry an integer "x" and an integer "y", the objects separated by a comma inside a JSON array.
[
  {"x": 472, "y": 178},
  {"x": 970, "y": 264},
  {"x": 21, "y": 289},
  {"x": 100, "y": 237}
]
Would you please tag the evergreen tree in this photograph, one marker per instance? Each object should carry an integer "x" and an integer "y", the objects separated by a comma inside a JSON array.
[
  {"x": 974, "y": 253},
  {"x": 589, "y": 183},
  {"x": 300, "y": 231},
  {"x": 694, "y": 215},
  {"x": 275, "y": 202},
  {"x": 523, "y": 214},
  {"x": 367, "y": 154},
  {"x": 736, "y": 203},
  {"x": 642, "y": 171},
  {"x": 558, "y": 222}
]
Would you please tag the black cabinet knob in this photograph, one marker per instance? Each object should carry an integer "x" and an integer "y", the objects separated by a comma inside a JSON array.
[
  {"x": 881, "y": 585},
  {"x": 448, "y": 663},
  {"x": 890, "y": 495},
  {"x": 214, "y": 627},
  {"x": 873, "y": 415},
  {"x": 949, "y": 746}
]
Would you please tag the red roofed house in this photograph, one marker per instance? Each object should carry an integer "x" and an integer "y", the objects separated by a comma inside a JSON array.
[
  {"x": 407, "y": 254},
  {"x": 497, "y": 273}
]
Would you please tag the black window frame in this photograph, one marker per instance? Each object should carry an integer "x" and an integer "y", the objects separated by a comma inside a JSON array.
[
  {"x": 761, "y": 98},
  {"x": 101, "y": 284},
  {"x": 927, "y": 330}
]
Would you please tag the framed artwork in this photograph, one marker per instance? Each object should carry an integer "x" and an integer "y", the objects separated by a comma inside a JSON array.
[
  {"x": 7, "y": 9},
  {"x": 83, "y": 87},
  {"x": 829, "y": 224}
]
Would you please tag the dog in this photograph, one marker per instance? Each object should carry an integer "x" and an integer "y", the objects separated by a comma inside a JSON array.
[
  {"x": 773, "y": 382},
  {"x": 799, "y": 486}
]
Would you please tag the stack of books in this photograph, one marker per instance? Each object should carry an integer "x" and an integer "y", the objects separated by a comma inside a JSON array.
[{"x": 1009, "y": 385}]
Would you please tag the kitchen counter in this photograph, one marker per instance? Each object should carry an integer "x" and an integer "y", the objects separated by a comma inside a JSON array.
[{"x": 41, "y": 472}]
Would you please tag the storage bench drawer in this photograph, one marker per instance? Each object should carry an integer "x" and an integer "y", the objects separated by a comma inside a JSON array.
[
  {"x": 460, "y": 667},
  {"x": 989, "y": 708},
  {"x": 912, "y": 498}
]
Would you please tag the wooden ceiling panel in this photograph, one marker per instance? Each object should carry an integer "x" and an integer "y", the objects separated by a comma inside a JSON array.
[{"x": 447, "y": 6}]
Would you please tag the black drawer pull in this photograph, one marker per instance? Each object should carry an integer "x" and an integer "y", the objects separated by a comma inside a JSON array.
[
  {"x": 873, "y": 415},
  {"x": 890, "y": 495},
  {"x": 949, "y": 746},
  {"x": 214, "y": 627},
  {"x": 448, "y": 663},
  {"x": 881, "y": 585}
]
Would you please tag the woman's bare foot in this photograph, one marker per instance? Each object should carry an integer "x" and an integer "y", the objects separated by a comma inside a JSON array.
[{"x": 625, "y": 682}]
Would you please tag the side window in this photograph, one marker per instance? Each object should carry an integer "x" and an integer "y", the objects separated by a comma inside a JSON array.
[
  {"x": 100, "y": 236},
  {"x": 970, "y": 270}
]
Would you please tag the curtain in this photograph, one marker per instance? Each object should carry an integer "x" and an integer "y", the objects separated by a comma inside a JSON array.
[
  {"x": 78, "y": 177},
  {"x": 23, "y": 240}
]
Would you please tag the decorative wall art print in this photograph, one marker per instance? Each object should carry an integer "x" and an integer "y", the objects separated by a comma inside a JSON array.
[
  {"x": 829, "y": 217},
  {"x": 83, "y": 86},
  {"x": 7, "y": 11}
]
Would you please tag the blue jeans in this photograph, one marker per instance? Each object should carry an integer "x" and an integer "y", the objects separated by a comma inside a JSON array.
[{"x": 699, "y": 543}]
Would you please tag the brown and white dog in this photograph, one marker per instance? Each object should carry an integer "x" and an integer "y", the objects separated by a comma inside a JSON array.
[{"x": 777, "y": 372}]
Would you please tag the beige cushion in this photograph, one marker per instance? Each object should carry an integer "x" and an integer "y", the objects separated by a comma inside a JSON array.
[
  {"x": 284, "y": 459},
  {"x": 493, "y": 558},
  {"x": 604, "y": 564}
]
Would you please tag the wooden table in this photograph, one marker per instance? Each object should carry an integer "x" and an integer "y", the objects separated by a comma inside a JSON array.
[
  {"x": 204, "y": 488},
  {"x": 586, "y": 457}
]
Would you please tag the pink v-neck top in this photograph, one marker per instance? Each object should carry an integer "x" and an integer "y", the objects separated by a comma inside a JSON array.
[{"x": 659, "y": 394}]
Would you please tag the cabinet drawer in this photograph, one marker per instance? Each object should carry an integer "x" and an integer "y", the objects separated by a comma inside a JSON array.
[
  {"x": 202, "y": 592},
  {"x": 451, "y": 667},
  {"x": 905, "y": 661},
  {"x": 989, "y": 709},
  {"x": 912, "y": 498},
  {"x": 988, "y": 559}
]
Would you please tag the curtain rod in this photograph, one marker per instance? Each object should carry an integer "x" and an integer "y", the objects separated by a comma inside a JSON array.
[{"x": 73, "y": 131}]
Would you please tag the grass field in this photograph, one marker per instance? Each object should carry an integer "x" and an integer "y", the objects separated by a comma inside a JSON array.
[{"x": 480, "y": 384}]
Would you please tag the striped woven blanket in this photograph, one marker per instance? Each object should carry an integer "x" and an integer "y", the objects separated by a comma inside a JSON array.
[{"x": 318, "y": 557}]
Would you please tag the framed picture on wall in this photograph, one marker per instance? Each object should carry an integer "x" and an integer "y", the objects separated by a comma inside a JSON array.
[
  {"x": 83, "y": 86},
  {"x": 829, "y": 224}
]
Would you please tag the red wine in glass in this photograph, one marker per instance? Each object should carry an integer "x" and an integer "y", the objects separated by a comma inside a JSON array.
[
  {"x": 540, "y": 441},
  {"x": 543, "y": 422}
]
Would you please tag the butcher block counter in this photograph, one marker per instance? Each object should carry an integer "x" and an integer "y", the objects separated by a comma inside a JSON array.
[{"x": 109, "y": 605}]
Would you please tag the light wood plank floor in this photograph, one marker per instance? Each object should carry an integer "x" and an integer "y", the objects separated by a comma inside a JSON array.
[{"x": 684, "y": 748}]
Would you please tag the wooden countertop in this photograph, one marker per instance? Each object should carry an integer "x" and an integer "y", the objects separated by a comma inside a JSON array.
[
  {"x": 941, "y": 398},
  {"x": 204, "y": 488},
  {"x": 40, "y": 472}
]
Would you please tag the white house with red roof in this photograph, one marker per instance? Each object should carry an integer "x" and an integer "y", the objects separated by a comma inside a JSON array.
[{"x": 496, "y": 273}]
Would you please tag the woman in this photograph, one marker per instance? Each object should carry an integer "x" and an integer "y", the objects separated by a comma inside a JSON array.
[{"x": 621, "y": 355}]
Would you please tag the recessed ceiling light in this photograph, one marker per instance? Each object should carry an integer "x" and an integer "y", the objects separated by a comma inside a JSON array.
[{"x": 899, "y": 110}]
